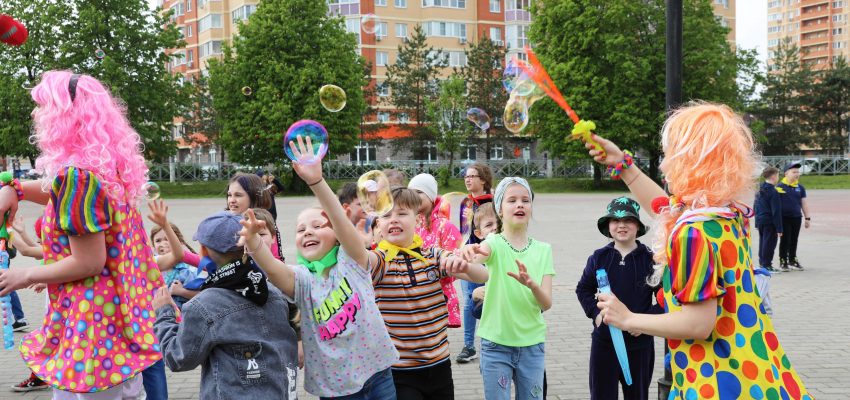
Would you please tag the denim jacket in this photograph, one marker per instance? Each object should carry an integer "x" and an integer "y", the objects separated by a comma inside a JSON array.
[{"x": 245, "y": 351}]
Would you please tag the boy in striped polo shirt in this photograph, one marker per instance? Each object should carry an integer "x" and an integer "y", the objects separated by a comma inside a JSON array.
[{"x": 408, "y": 293}]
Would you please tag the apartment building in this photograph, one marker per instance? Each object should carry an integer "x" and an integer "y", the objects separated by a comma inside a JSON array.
[
  {"x": 818, "y": 28},
  {"x": 449, "y": 24}
]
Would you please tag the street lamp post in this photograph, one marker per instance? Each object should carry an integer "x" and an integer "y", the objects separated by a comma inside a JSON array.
[{"x": 673, "y": 97}]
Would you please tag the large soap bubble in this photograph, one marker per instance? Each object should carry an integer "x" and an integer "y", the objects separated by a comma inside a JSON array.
[
  {"x": 313, "y": 130},
  {"x": 373, "y": 191}
]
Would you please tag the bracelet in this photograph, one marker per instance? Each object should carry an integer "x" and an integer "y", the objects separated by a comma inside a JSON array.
[
  {"x": 615, "y": 170},
  {"x": 633, "y": 179},
  {"x": 251, "y": 252},
  {"x": 315, "y": 183},
  {"x": 16, "y": 184}
]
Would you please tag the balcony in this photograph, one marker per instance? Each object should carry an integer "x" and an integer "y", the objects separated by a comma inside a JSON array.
[
  {"x": 814, "y": 40},
  {"x": 807, "y": 3},
  {"x": 814, "y": 13},
  {"x": 814, "y": 54}
]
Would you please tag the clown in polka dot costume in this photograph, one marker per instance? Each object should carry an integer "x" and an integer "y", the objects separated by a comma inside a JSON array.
[
  {"x": 98, "y": 332},
  {"x": 709, "y": 258}
]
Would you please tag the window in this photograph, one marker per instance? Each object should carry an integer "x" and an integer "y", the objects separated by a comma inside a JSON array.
[
  {"x": 364, "y": 153},
  {"x": 773, "y": 42},
  {"x": 352, "y": 25},
  {"x": 426, "y": 151},
  {"x": 445, "y": 29},
  {"x": 469, "y": 151},
  {"x": 517, "y": 4},
  {"x": 724, "y": 3},
  {"x": 837, "y": 31},
  {"x": 401, "y": 30},
  {"x": 444, "y": 3},
  {"x": 189, "y": 5},
  {"x": 178, "y": 58},
  {"x": 243, "y": 12},
  {"x": 456, "y": 58},
  {"x": 516, "y": 36},
  {"x": 381, "y": 58},
  {"x": 383, "y": 90},
  {"x": 381, "y": 3},
  {"x": 497, "y": 152},
  {"x": 190, "y": 58},
  {"x": 202, "y": 3},
  {"x": 774, "y": 17},
  {"x": 837, "y": 4},
  {"x": 209, "y": 48},
  {"x": 382, "y": 29},
  {"x": 400, "y": 3},
  {"x": 177, "y": 11},
  {"x": 774, "y": 29},
  {"x": 403, "y": 118},
  {"x": 383, "y": 117},
  {"x": 187, "y": 31},
  {"x": 774, "y": 3},
  {"x": 209, "y": 22},
  {"x": 790, "y": 15},
  {"x": 496, "y": 34},
  {"x": 838, "y": 18},
  {"x": 839, "y": 45},
  {"x": 495, "y": 6}
]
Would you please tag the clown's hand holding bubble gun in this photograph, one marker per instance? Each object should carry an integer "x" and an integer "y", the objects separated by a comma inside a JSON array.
[{"x": 582, "y": 129}]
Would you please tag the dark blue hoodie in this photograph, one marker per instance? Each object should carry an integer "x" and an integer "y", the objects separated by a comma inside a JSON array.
[
  {"x": 628, "y": 283},
  {"x": 768, "y": 207}
]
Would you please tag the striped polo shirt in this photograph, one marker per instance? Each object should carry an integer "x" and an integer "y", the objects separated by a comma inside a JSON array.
[{"x": 413, "y": 306}]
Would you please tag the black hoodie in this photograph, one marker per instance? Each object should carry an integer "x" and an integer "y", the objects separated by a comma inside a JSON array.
[{"x": 628, "y": 283}]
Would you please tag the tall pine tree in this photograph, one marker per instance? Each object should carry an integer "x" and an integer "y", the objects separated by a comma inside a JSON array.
[{"x": 828, "y": 108}]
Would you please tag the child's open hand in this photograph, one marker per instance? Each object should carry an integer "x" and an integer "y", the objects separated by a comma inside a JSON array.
[
  {"x": 162, "y": 297},
  {"x": 610, "y": 155},
  {"x": 472, "y": 252},
  {"x": 159, "y": 212},
  {"x": 18, "y": 224},
  {"x": 251, "y": 226},
  {"x": 307, "y": 167},
  {"x": 454, "y": 265},
  {"x": 523, "y": 277}
]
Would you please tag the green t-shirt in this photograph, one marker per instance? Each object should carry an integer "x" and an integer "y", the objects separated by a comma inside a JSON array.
[{"x": 511, "y": 315}]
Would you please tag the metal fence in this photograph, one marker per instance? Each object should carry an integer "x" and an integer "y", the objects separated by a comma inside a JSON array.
[{"x": 540, "y": 168}]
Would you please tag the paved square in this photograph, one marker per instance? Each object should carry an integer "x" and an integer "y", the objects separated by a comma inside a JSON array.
[{"x": 812, "y": 308}]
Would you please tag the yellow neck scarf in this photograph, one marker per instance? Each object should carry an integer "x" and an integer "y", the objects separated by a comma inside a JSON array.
[
  {"x": 785, "y": 181},
  {"x": 393, "y": 250}
]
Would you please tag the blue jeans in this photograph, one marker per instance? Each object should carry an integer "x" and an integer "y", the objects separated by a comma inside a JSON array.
[
  {"x": 502, "y": 364},
  {"x": 156, "y": 387},
  {"x": 469, "y": 320},
  {"x": 378, "y": 387},
  {"x": 17, "y": 310}
]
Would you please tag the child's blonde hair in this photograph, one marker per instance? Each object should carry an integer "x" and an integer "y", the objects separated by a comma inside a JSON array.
[
  {"x": 264, "y": 215},
  {"x": 709, "y": 161},
  {"x": 156, "y": 229},
  {"x": 484, "y": 211}
]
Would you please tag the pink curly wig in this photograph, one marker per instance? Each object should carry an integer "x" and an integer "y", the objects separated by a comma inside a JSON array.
[
  {"x": 90, "y": 132},
  {"x": 709, "y": 161}
]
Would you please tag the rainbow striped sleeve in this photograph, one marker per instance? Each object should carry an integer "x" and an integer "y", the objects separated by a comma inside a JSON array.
[
  {"x": 694, "y": 266},
  {"x": 80, "y": 202}
]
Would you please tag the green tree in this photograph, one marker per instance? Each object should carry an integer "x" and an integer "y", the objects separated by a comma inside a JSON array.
[
  {"x": 285, "y": 53},
  {"x": 413, "y": 82},
  {"x": 483, "y": 76},
  {"x": 781, "y": 106},
  {"x": 22, "y": 66},
  {"x": 134, "y": 67},
  {"x": 199, "y": 118},
  {"x": 828, "y": 107},
  {"x": 610, "y": 65},
  {"x": 448, "y": 120}
]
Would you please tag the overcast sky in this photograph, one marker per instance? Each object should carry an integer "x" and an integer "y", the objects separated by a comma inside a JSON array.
[{"x": 751, "y": 25}]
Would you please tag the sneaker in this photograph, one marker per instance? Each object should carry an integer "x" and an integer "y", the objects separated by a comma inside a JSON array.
[
  {"x": 773, "y": 270},
  {"x": 466, "y": 355},
  {"x": 783, "y": 265},
  {"x": 19, "y": 326},
  {"x": 30, "y": 384},
  {"x": 796, "y": 265}
]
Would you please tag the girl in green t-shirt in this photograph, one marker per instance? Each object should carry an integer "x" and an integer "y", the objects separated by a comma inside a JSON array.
[{"x": 519, "y": 289}]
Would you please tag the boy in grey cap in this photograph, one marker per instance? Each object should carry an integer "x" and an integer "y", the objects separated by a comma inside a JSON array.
[{"x": 237, "y": 328}]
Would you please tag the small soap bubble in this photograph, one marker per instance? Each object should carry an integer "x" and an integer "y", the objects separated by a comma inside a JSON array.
[
  {"x": 478, "y": 117},
  {"x": 152, "y": 190},
  {"x": 247, "y": 91},
  {"x": 99, "y": 54},
  {"x": 369, "y": 23},
  {"x": 332, "y": 98}
]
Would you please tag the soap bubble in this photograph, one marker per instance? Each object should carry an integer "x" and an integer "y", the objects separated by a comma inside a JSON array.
[
  {"x": 152, "y": 190},
  {"x": 516, "y": 115},
  {"x": 373, "y": 191},
  {"x": 478, "y": 117},
  {"x": 307, "y": 129},
  {"x": 332, "y": 98},
  {"x": 99, "y": 54},
  {"x": 247, "y": 91},
  {"x": 369, "y": 23}
]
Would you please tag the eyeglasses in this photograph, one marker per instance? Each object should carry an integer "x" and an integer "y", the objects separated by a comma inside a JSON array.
[{"x": 471, "y": 176}]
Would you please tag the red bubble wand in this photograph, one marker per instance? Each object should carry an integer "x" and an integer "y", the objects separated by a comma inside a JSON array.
[{"x": 582, "y": 129}]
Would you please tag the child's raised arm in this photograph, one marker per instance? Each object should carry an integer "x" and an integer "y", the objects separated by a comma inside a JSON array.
[
  {"x": 280, "y": 274},
  {"x": 159, "y": 216},
  {"x": 23, "y": 242},
  {"x": 346, "y": 233}
]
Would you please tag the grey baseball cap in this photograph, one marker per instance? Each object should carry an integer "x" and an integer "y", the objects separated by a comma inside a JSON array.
[{"x": 220, "y": 232}]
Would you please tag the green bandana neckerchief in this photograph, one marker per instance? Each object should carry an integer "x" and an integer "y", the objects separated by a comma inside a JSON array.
[{"x": 319, "y": 266}]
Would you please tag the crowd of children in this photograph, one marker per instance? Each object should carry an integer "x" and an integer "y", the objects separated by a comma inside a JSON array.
[{"x": 366, "y": 306}]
